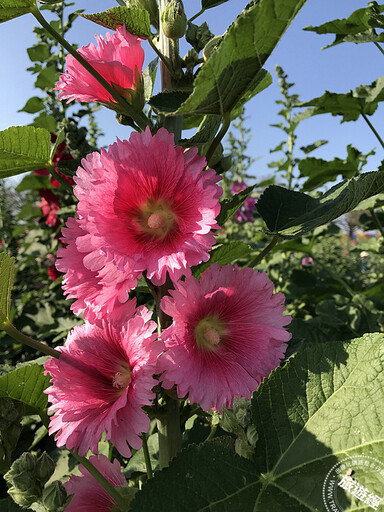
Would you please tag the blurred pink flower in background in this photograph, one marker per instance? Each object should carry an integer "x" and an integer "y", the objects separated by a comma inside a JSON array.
[
  {"x": 144, "y": 205},
  {"x": 102, "y": 379},
  {"x": 307, "y": 260},
  {"x": 227, "y": 335},
  {"x": 238, "y": 186},
  {"x": 119, "y": 60},
  {"x": 89, "y": 495}
]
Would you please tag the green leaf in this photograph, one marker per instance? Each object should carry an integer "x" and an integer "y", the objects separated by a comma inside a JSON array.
[
  {"x": 10, "y": 9},
  {"x": 233, "y": 73},
  {"x": 8, "y": 505},
  {"x": 208, "y": 4},
  {"x": 224, "y": 255},
  {"x": 205, "y": 133},
  {"x": 149, "y": 76},
  {"x": 47, "y": 78},
  {"x": 311, "y": 147},
  {"x": 168, "y": 102},
  {"x": 321, "y": 171},
  {"x": 7, "y": 271},
  {"x": 22, "y": 149},
  {"x": 33, "y": 105},
  {"x": 32, "y": 182},
  {"x": 27, "y": 384},
  {"x": 323, "y": 406},
  {"x": 357, "y": 28},
  {"x": 48, "y": 122},
  {"x": 230, "y": 206},
  {"x": 291, "y": 214},
  {"x": 39, "y": 52},
  {"x": 136, "y": 21},
  {"x": 363, "y": 100}
]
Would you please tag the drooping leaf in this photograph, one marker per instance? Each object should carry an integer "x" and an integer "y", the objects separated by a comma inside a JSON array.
[
  {"x": 321, "y": 171},
  {"x": 291, "y": 214},
  {"x": 33, "y": 105},
  {"x": 23, "y": 148},
  {"x": 136, "y": 21},
  {"x": 311, "y": 147},
  {"x": 323, "y": 406},
  {"x": 10, "y": 9},
  {"x": 357, "y": 28},
  {"x": 363, "y": 100},
  {"x": 27, "y": 384},
  {"x": 149, "y": 76},
  {"x": 230, "y": 206},
  {"x": 233, "y": 73},
  {"x": 7, "y": 271},
  {"x": 224, "y": 255}
]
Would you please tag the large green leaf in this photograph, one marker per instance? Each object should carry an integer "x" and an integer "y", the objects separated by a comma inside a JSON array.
[
  {"x": 233, "y": 73},
  {"x": 136, "y": 21},
  {"x": 323, "y": 406},
  {"x": 27, "y": 384},
  {"x": 8, "y": 505},
  {"x": 230, "y": 206},
  {"x": 10, "y": 9},
  {"x": 7, "y": 271},
  {"x": 291, "y": 214},
  {"x": 319, "y": 171},
  {"x": 24, "y": 148},
  {"x": 357, "y": 28},
  {"x": 363, "y": 100}
]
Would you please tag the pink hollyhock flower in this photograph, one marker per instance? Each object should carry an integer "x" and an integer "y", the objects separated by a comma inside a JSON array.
[
  {"x": 102, "y": 379},
  {"x": 227, "y": 335},
  {"x": 144, "y": 205},
  {"x": 89, "y": 495},
  {"x": 119, "y": 60},
  {"x": 49, "y": 205},
  {"x": 238, "y": 186},
  {"x": 307, "y": 261}
]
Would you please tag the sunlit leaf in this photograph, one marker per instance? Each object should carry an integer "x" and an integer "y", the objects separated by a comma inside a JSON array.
[
  {"x": 7, "y": 271},
  {"x": 10, "y": 9},
  {"x": 136, "y": 21}
]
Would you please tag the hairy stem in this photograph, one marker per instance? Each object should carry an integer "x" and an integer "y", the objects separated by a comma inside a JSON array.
[
  {"x": 139, "y": 117},
  {"x": 196, "y": 15},
  {"x": 147, "y": 457},
  {"x": 265, "y": 251},
  {"x": 26, "y": 340}
]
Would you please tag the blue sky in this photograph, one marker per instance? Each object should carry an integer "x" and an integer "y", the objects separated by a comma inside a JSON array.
[{"x": 313, "y": 70}]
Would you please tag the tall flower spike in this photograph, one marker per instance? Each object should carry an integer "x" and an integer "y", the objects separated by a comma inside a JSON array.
[
  {"x": 144, "y": 205},
  {"x": 88, "y": 493},
  {"x": 119, "y": 59},
  {"x": 101, "y": 380},
  {"x": 227, "y": 335}
]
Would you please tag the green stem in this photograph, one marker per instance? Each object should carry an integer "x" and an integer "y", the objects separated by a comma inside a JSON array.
[
  {"x": 139, "y": 117},
  {"x": 212, "y": 432},
  {"x": 111, "y": 490},
  {"x": 379, "y": 47},
  {"x": 373, "y": 129},
  {"x": 377, "y": 220},
  {"x": 216, "y": 141},
  {"x": 196, "y": 15},
  {"x": 26, "y": 340},
  {"x": 169, "y": 432},
  {"x": 60, "y": 179},
  {"x": 265, "y": 251},
  {"x": 161, "y": 56},
  {"x": 147, "y": 457}
]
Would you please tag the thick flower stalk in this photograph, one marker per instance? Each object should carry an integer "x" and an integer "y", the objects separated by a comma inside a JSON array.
[
  {"x": 227, "y": 335},
  {"x": 144, "y": 205},
  {"x": 102, "y": 379},
  {"x": 119, "y": 60},
  {"x": 88, "y": 494}
]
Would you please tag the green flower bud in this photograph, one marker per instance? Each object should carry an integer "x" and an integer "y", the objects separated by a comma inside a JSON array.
[
  {"x": 211, "y": 46},
  {"x": 11, "y": 411},
  {"x": 22, "y": 498},
  {"x": 45, "y": 467},
  {"x": 55, "y": 497},
  {"x": 174, "y": 20}
]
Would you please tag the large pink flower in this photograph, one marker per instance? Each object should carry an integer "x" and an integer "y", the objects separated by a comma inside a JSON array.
[
  {"x": 119, "y": 59},
  {"x": 227, "y": 335},
  {"x": 144, "y": 205},
  {"x": 102, "y": 379},
  {"x": 89, "y": 495}
]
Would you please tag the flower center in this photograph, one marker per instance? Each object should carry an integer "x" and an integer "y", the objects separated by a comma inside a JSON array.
[
  {"x": 122, "y": 378},
  {"x": 209, "y": 332},
  {"x": 156, "y": 219}
]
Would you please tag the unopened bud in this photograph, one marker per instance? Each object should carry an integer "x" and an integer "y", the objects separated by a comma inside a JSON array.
[
  {"x": 211, "y": 46},
  {"x": 174, "y": 20},
  {"x": 45, "y": 467},
  {"x": 55, "y": 497}
]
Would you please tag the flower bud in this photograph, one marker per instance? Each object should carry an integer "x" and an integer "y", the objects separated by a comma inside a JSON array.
[
  {"x": 174, "y": 20},
  {"x": 55, "y": 496},
  {"x": 45, "y": 467},
  {"x": 211, "y": 46}
]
